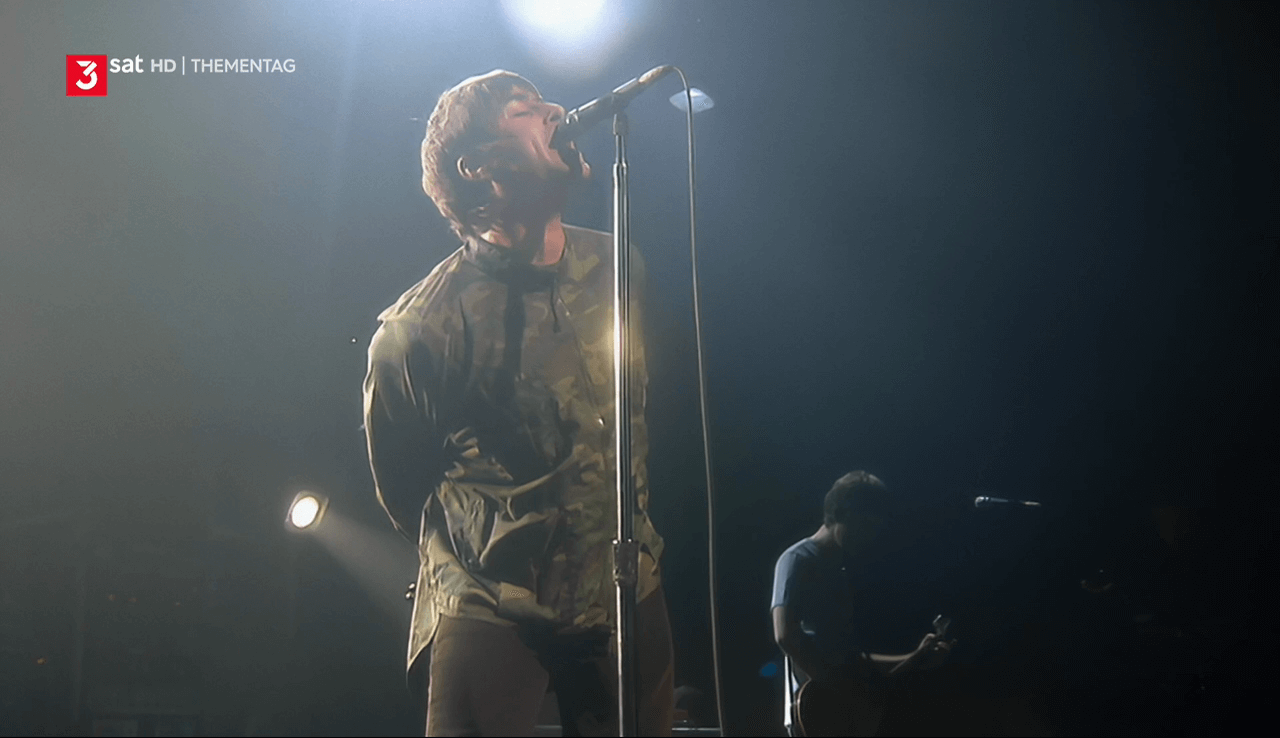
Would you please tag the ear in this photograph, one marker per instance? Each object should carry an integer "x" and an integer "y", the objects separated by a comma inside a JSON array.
[{"x": 469, "y": 172}]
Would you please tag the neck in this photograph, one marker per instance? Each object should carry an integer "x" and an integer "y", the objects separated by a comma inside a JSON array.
[
  {"x": 825, "y": 539},
  {"x": 531, "y": 227}
]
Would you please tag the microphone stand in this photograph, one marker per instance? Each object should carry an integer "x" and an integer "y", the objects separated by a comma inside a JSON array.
[{"x": 626, "y": 549}]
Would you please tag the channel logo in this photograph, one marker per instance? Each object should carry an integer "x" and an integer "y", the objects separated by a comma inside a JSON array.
[{"x": 86, "y": 75}]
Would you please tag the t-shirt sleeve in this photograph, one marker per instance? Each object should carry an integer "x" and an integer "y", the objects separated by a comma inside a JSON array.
[{"x": 784, "y": 580}]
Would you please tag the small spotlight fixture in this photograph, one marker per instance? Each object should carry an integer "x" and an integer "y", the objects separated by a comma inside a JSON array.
[
  {"x": 307, "y": 510},
  {"x": 701, "y": 100}
]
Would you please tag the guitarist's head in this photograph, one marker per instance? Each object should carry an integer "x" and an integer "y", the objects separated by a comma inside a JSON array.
[{"x": 856, "y": 510}]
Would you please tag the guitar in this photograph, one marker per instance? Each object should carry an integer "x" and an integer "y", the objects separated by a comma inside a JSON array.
[{"x": 849, "y": 707}]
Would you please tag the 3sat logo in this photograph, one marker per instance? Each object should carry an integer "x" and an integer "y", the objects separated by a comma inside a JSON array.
[{"x": 86, "y": 75}]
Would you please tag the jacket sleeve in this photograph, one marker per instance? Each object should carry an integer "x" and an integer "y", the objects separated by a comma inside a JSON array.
[{"x": 404, "y": 443}]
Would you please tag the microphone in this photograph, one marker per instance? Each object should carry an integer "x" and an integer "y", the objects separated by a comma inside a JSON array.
[
  {"x": 582, "y": 118},
  {"x": 984, "y": 502}
]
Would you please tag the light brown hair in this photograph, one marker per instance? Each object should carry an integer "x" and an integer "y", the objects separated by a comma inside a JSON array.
[{"x": 464, "y": 125}]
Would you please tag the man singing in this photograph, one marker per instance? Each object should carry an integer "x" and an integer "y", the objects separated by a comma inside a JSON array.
[
  {"x": 815, "y": 604},
  {"x": 489, "y": 416}
]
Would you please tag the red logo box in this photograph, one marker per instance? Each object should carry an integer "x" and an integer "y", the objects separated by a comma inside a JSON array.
[{"x": 86, "y": 75}]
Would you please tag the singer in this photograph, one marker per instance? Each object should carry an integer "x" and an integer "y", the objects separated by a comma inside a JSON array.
[{"x": 489, "y": 418}]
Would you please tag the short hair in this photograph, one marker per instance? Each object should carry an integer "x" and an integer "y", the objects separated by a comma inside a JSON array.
[
  {"x": 464, "y": 124},
  {"x": 854, "y": 493}
]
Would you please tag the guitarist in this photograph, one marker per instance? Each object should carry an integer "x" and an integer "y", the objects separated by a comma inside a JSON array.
[{"x": 813, "y": 613}]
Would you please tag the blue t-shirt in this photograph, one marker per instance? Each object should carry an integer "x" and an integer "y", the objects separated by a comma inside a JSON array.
[{"x": 817, "y": 589}]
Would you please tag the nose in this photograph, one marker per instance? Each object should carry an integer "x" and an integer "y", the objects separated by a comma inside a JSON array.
[{"x": 554, "y": 113}]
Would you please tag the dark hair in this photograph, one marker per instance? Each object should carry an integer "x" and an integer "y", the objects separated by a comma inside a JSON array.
[
  {"x": 464, "y": 124},
  {"x": 855, "y": 492}
]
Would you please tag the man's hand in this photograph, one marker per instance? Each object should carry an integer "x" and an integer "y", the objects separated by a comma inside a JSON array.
[{"x": 932, "y": 652}]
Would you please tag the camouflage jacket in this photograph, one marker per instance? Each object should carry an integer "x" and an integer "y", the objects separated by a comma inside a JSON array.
[{"x": 489, "y": 418}]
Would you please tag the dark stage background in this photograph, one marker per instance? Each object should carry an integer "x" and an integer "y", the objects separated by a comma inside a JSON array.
[{"x": 1019, "y": 249}]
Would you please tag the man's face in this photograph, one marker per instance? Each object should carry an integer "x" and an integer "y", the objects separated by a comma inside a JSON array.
[
  {"x": 525, "y": 127},
  {"x": 859, "y": 532}
]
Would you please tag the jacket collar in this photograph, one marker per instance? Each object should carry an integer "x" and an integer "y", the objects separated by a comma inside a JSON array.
[{"x": 504, "y": 264}]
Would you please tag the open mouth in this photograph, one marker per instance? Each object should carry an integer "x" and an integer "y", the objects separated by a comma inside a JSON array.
[
  {"x": 551, "y": 141},
  {"x": 569, "y": 155},
  {"x": 567, "y": 152}
]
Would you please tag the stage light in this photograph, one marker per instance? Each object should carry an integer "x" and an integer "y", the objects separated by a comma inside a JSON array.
[
  {"x": 307, "y": 510},
  {"x": 576, "y": 39},
  {"x": 564, "y": 18},
  {"x": 701, "y": 100}
]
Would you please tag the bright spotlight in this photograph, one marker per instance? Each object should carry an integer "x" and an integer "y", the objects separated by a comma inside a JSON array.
[
  {"x": 304, "y": 512},
  {"x": 575, "y": 38},
  {"x": 565, "y": 18},
  {"x": 307, "y": 510}
]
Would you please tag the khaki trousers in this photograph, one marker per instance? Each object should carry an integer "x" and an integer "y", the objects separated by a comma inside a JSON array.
[{"x": 490, "y": 680}]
